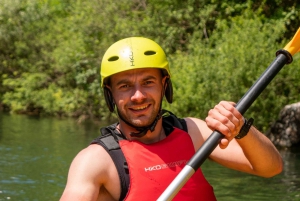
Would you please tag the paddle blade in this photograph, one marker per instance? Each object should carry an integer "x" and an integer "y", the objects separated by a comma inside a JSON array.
[{"x": 294, "y": 45}]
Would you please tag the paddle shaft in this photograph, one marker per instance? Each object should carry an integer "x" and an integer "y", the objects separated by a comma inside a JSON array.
[{"x": 212, "y": 142}]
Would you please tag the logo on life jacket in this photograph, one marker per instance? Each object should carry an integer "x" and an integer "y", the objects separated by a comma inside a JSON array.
[{"x": 166, "y": 165}]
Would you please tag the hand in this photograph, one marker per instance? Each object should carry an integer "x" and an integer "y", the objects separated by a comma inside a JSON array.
[{"x": 225, "y": 118}]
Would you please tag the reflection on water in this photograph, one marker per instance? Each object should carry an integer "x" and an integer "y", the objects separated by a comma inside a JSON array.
[{"x": 36, "y": 154}]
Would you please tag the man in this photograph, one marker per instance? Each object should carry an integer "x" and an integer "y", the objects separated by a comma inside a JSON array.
[{"x": 140, "y": 155}]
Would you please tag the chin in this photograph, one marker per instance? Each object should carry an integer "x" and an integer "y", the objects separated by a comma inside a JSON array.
[{"x": 139, "y": 124}]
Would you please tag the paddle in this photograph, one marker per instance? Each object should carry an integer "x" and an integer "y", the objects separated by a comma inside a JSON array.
[{"x": 283, "y": 56}]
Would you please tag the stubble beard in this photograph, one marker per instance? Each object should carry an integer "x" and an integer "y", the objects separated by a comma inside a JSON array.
[{"x": 139, "y": 121}]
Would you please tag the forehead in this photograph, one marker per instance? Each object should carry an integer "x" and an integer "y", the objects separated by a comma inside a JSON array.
[{"x": 136, "y": 74}]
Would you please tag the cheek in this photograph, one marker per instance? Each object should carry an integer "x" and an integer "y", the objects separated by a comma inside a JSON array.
[
  {"x": 120, "y": 103},
  {"x": 119, "y": 98}
]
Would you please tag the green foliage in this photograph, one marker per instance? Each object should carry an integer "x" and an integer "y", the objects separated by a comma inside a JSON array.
[
  {"x": 46, "y": 44},
  {"x": 50, "y": 52},
  {"x": 226, "y": 66}
]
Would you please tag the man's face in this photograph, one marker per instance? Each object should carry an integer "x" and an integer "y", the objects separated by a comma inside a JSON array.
[{"x": 137, "y": 94}]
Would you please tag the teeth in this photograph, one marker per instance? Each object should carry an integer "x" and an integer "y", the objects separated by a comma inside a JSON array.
[{"x": 140, "y": 108}]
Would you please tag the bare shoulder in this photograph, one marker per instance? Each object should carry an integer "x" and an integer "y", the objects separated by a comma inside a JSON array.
[
  {"x": 198, "y": 131},
  {"x": 93, "y": 158},
  {"x": 92, "y": 176}
]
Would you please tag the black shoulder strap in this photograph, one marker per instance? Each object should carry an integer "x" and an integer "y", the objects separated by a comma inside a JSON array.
[
  {"x": 170, "y": 121},
  {"x": 109, "y": 141}
]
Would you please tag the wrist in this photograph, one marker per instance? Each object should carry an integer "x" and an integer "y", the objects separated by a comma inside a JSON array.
[{"x": 245, "y": 128}]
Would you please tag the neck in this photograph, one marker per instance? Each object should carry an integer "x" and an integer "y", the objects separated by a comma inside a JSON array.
[{"x": 150, "y": 137}]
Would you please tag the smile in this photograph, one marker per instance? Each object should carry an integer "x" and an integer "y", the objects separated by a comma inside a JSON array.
[{"x": 140, "y": 108}]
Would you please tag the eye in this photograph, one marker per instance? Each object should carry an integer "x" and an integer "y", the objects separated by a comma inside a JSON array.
[
  {"x": 123, "y": 86},
  {"x": 148, "y": 82}
]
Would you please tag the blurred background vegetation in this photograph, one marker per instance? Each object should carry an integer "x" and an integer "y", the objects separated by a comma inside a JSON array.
[{"x": 50, "y": 52}]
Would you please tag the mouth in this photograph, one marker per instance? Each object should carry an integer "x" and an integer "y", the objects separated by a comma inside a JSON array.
[{"x": 139, "y": 108}]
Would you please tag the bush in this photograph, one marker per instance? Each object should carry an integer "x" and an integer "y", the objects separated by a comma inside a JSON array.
[
  {"x": 226, "y": 66},
  {"x": 51, "y": 50}
]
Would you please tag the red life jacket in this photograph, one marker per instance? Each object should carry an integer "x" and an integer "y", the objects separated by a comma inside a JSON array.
[{"x": 153, "y": 167}]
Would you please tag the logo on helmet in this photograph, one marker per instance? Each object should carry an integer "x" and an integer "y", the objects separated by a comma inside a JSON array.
[{"x": 131, "y": 59}]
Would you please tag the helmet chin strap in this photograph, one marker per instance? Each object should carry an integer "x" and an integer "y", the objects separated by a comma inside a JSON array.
[{"x": 143, "y": 129}]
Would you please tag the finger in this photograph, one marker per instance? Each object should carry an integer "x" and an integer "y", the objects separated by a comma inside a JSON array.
[
  {"x": 230, "y": 106},
  {"x": 215, "y": 124},
  {"x": 225, "y": 117},
  {"x": 228, "y": 115},
  {"x": 223, "y": 143},
  {"x": 228, "y": 109}
]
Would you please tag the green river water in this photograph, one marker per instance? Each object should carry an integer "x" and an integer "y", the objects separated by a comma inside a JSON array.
[{"x": 36, "y": 153}]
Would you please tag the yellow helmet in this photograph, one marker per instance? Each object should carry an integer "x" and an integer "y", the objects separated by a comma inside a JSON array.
[{"x": 133, "y": 53}]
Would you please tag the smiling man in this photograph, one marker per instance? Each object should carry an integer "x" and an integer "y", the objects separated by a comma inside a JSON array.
[{"x": 140, "y": 155}]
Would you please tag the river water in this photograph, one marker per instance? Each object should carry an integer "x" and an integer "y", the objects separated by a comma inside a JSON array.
[{"x": 36, "y": 153}]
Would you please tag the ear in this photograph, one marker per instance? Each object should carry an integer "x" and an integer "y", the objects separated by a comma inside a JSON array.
[{"x": 109, "y": 99}]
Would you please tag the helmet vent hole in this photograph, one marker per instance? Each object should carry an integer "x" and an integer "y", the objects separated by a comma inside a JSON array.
[
  {"x": 150, "y": 52},
  {"x": 113, "y": 58}
]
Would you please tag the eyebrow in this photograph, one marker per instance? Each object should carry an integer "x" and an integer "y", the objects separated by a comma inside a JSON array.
[{"x": 126, "y": 81}]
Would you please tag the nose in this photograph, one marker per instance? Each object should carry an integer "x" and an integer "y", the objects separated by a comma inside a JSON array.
[{"x": 138, "y": 95}]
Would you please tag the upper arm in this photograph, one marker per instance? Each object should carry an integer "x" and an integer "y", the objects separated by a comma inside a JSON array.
[
  {"x": 198, "y": 131},
  {"x": 87, "y": 174}
]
